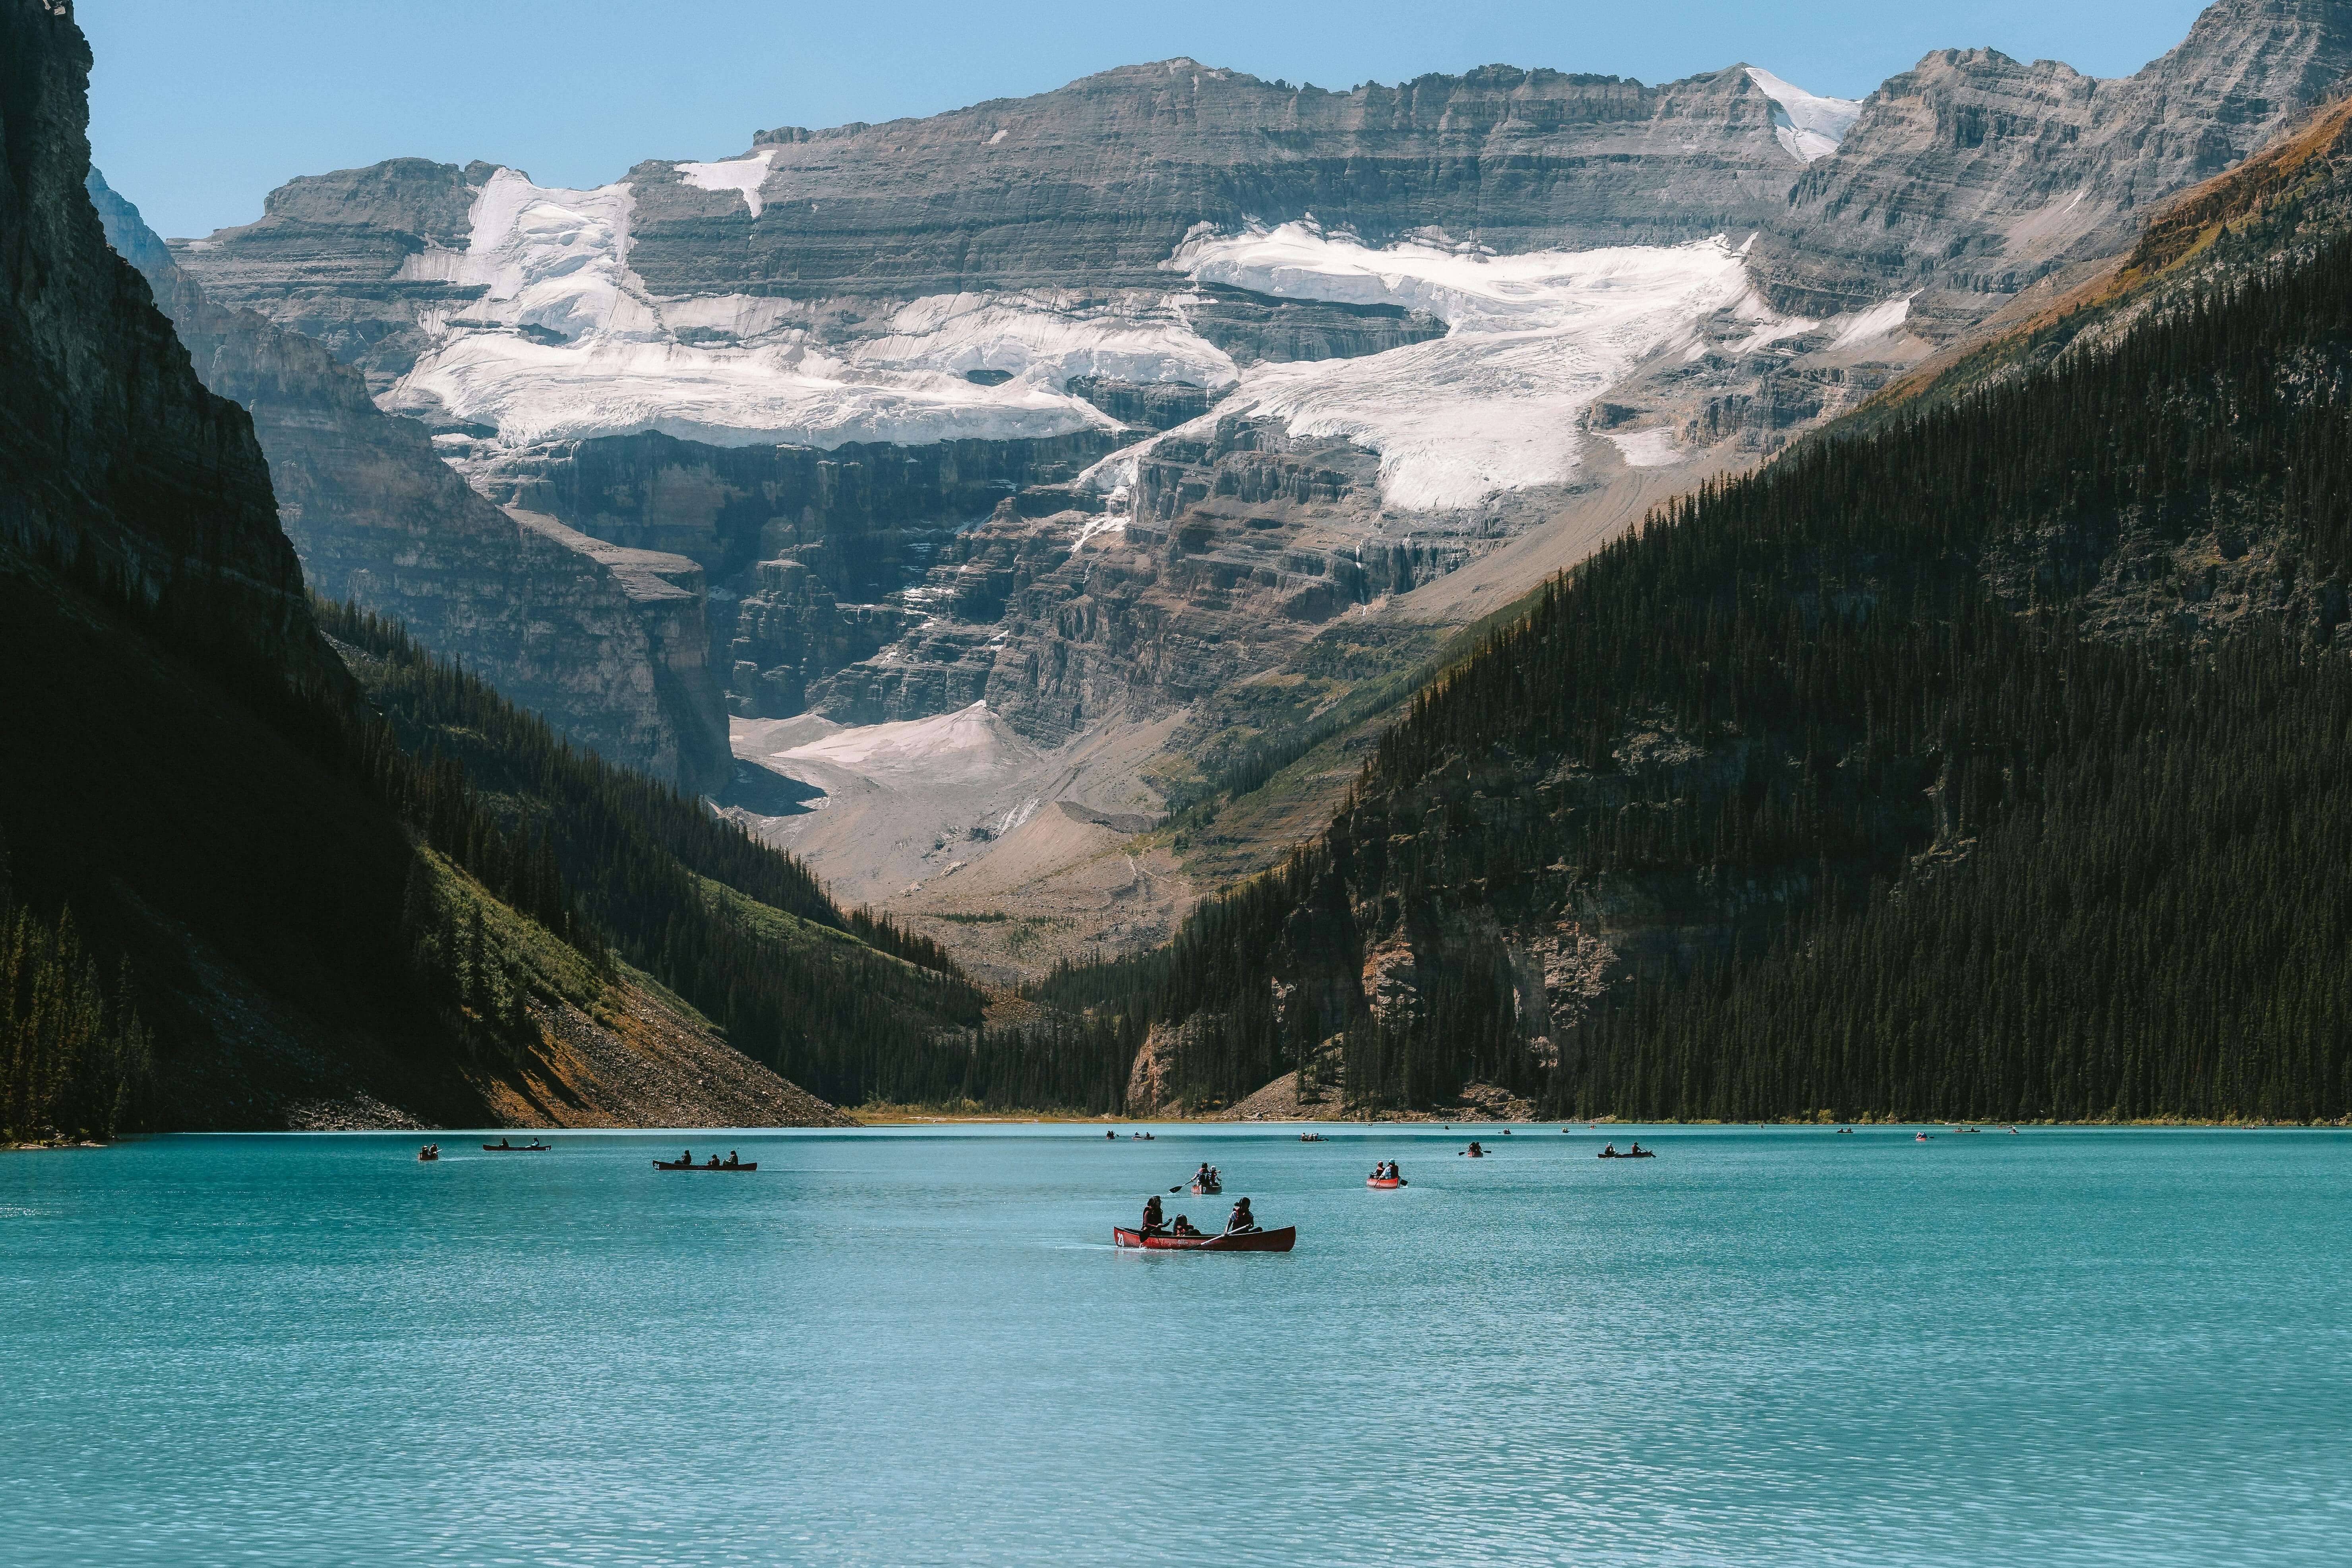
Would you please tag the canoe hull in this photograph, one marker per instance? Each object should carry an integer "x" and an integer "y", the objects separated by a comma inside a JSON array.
[
  {"x": 1384, "y": 1182},
  {"x": 676, "y": 1165},
  {"x": 1247, "y": 1241},
  {"x": 1199, "y": 1191}
]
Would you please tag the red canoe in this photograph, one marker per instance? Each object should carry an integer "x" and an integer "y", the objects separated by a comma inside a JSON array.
[
  {"x": 1246, "y": 1241},
  {"x": 1384, "y": 1180}
]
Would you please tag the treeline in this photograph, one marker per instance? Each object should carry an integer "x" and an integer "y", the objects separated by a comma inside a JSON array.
[
  {"x": 1987, "y": 763},
  {"x": 74, "y": 1056}
]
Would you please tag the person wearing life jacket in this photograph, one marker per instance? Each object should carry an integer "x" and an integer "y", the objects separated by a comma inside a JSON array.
[
  {"x": 1240, "y": 1218},
  {"x": 1151, "y": 1215}
]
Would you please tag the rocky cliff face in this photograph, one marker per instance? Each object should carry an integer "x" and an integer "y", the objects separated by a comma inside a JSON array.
[
  {"x": 109, "y": 449},
  {"x": 377, "y": 517},
  {"x": 1975, "y": 175}
]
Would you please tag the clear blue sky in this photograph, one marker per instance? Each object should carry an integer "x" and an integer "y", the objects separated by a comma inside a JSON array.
[{"x": 201, "y": 107}]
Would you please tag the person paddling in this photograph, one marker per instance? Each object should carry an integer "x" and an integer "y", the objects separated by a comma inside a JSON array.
[
  {"x": 1151, "y": 1215},
  {"x": 1240, "y": 1218}
]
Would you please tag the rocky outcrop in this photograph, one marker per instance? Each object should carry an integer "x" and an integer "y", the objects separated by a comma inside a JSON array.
[
  {"x": 1975, "y": 175},
  {"x": 1259, "y": 328},
  {"x": 1147, "y": 405},
  {"x": 610, "y": 649},
  {"x": 324, "y": 257},
  {"x": 864, "y": 517}
]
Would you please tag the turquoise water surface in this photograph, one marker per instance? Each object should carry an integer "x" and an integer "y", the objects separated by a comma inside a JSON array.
[{"x": 1766, "y": 1346}]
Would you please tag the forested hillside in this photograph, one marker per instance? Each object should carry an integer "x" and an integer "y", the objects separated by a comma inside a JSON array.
[
  {"x": 844, "y": 1003},
  {"x": 1989, "y": 761}
]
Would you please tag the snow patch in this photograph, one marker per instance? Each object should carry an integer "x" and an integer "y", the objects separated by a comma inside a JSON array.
[
  {"x": 1878, "y": 322},
  {"x": 970, "y": 747},
  {"x": 1807, "y": 125},
  {"x": 744, "y": 176},
  {"x": 1647, "y": 448}
]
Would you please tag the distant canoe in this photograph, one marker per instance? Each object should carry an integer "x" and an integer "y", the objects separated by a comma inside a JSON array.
[
  {"x": 684, "y": 1165},
  {"x": 1384, "y": 1180},
  {"x": 1211, "y": 1191},
  {"x": 1629, "y": 1154},
  {"x": 517, "y": 1148},
  {"x": 1241, "y": 1241}
]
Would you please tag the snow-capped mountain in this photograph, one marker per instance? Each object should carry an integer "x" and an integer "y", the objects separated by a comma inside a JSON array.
[{"x": 1089, "y": 406}]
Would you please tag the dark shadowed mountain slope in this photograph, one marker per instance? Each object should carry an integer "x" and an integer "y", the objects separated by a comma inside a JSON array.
[{"x": 317, "y": 924}]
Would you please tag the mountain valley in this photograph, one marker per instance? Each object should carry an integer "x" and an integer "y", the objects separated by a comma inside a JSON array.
[{"x": 1030, "y": 522}]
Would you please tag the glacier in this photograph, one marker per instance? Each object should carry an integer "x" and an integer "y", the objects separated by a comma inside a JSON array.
[
  {"x": 567, "y": 342},
  {"x": 1532, "y": 341}
]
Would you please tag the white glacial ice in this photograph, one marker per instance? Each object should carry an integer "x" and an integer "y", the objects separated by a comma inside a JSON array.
[
  {"x": 1807, "y": 125},
  {"x": 1045, "y": 337},
  {"x": 569, "y": 343},
  {"x": 1532, "y": 340}
]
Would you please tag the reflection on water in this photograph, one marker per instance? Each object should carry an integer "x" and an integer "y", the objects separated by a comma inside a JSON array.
[{"x": 1774, "y": 1346}]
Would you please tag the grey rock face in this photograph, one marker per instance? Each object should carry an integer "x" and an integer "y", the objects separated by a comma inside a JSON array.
[
  {"x": 1094, "y": 184},
  {"x": 322, "y": 258},
  {"x": 1145, "y": 406},
  {"x": 1256, "y": 328},
  {"x": 1976, "y": 174},
  {"x": 596, "y": 640},
  {"x": 865, "y": 517}
]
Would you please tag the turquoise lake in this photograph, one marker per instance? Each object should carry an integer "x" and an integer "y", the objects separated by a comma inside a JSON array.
[{"x": 1766, "y": 1346}]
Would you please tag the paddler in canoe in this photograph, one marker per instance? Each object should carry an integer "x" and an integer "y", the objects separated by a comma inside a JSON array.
[
  {"x": 1154, "y": 1220},
  {"x": 1241, "y": 1221}
]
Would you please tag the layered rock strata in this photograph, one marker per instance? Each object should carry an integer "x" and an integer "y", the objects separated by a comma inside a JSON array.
[{"x": 1974, "y": 175}]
